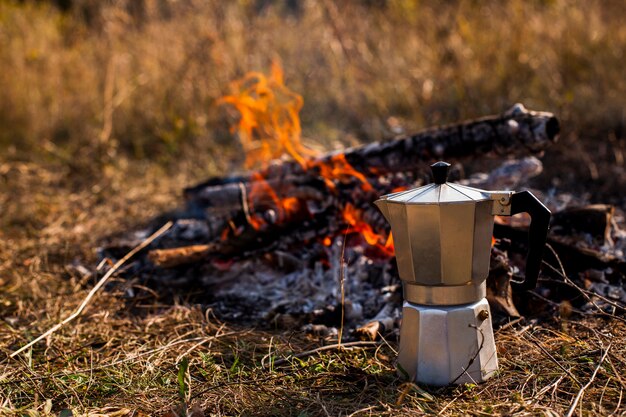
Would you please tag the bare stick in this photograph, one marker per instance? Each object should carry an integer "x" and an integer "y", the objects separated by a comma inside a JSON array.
[
  {"x": 510, "y": 324},
  {"x": 327, "y": 347},
  {"x": 582, "y": 390},
  {"x": 545, "y": 352},
  {"x": 342, "y": 276},
  {"x": 173, "y": 257},
  {"x": 95, "y": 289}
]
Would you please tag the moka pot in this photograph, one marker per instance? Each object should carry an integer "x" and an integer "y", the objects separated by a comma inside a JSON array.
[{"x": 442, "y": 236}]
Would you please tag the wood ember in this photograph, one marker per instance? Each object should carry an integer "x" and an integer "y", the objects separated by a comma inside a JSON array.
[{"x": 256, "y": 291}]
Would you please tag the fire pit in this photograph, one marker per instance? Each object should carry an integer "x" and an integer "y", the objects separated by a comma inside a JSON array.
[{"x": 298, "y": 243}]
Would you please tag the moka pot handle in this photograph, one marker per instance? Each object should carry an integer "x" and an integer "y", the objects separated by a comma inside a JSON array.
[{"x": 526, "y": 202}]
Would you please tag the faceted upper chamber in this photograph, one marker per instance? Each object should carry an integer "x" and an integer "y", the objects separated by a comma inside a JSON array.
[{"x": 442, "y": 233}]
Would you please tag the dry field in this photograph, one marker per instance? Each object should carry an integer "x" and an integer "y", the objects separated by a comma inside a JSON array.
[{"x": 108, "y": 109}]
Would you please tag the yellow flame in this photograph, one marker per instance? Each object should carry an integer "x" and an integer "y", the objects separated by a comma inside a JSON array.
[
  {"x": 268, "y": 128},
  {"x": 269, "y": 122}
]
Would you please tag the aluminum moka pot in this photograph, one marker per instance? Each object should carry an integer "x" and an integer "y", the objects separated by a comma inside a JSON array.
[{"x": 442, "y": 237}]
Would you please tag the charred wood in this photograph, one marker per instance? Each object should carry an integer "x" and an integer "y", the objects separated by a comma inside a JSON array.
[
  {"x": 246, "y": 212},
  {"x": 584, "y": 261},
  {"x": 517, "y": 131}
]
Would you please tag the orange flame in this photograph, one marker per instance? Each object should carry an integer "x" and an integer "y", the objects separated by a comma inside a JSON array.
[
  {"x": 399, "y": 189},
  {"x": 353, "y": 217},
  {"x": 261, "y": 192},
  {"x": 268, "y": 128},
  {"x": 338, "y": 168},
  {"x": 269, "y": 122}
]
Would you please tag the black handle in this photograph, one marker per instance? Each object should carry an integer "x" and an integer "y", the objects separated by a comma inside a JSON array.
[{"x": 526, "y": 202}]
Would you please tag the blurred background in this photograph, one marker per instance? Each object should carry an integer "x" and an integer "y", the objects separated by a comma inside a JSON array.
[{"x": 91, "y": 89}]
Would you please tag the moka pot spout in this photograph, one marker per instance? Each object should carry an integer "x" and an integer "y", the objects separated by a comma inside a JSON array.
[{"x": 382, "y": 205}]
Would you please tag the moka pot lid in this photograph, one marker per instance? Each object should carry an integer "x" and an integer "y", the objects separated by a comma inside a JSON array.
[{"x": 439, "y": 192}]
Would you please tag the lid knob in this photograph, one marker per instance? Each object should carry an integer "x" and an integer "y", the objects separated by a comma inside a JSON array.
[{"x": 440, "y": 172}]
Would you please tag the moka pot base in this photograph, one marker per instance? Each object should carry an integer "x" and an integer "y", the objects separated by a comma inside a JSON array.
[{"x": 442, "y": 345}]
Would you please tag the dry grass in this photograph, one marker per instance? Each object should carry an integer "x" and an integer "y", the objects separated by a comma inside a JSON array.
[
  {"x": 103, "y": 121},
  {"x": 146, "y": 84},
  {"x": 115, "y": 360}
]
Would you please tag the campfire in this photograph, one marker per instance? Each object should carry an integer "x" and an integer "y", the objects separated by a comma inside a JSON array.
[
  {"x": 268, "y": 128},
  {"x": 295, "y": 241}
]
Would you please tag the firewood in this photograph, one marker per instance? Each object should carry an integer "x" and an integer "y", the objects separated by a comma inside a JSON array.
[
  {"x": 248, "y": 211},
  {"x": 583, "y": 254},
  {"x": 516, "y": 131},
  {"x": 594, "y": 220},
  {"x": 511, "y": 175},
  {"x": 289, "y": 206},
  {"x": 386, "y": 319},
  {"x": 169, "y": 258}
]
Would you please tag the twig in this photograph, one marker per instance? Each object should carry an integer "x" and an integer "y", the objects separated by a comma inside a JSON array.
[
  {"x": 99, "y": 285},
  {"x": 244, "y": 202},
  {"x": 558, "y": 259},
  {"x": 342, "y": 277},
  {"x": 445, "y": 407},
  {"x": 552, "y": 358},
  {"x": 510, "y": 324},
  {"x": 584, "y": 387},
  {"x": 473, "y": 358},
  {"x": 547, "y": 388},
  {"x": 327, "y": 347},
  {"x": 362, "y": 410},
  {"x": 619, "y": 400}
]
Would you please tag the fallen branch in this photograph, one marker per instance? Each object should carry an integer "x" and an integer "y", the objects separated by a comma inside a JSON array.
[{"x": 95, "y": 289}]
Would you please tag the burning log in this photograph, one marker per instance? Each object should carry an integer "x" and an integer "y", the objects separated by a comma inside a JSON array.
[
  {"x": 247, "y": 211},
  {"x": 516, "y": 131},
  {"x": 322, "y": 248}
]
